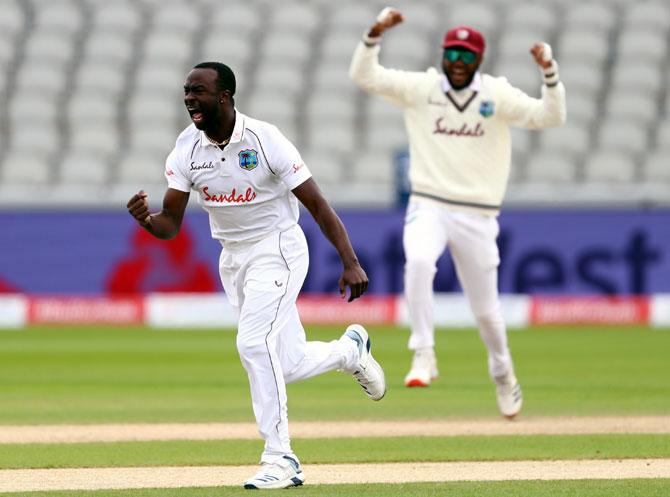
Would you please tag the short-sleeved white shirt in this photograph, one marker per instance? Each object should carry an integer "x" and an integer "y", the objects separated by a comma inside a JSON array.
[{"x": 246, "y": 187}]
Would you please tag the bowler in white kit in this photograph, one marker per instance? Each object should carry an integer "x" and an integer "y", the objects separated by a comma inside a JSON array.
[
  {"x": 249, "y": 178},
  {"x": 458, "y": 124}
]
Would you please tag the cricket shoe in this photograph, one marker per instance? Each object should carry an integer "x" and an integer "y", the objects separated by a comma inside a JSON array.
[
  {"x": 283, "y": 473},
  {"x": 508, "y": 392},
  {"x": 368, "y": 373},
  {"x": 423, "y": 370}
]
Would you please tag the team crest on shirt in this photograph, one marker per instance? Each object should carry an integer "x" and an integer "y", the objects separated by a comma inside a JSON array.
[
  {"x": 248, "y": 159},
  {"x": 486, "y": 108}
]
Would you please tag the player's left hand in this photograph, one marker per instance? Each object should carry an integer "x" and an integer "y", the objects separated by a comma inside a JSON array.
[
  {"x": 541, "y": 52},
  {"x": 355, "y": 278}
]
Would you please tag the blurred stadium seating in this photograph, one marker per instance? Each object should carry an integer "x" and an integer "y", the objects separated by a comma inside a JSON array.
[{"x": 90, "y": 92}]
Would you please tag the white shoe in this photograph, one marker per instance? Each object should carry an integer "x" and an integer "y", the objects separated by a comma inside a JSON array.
[
  {"x": 283, "y": 473},
  {"x": 424, "y": 369},
  {"x": 369, "y": 374},
  {"x": 508, "y": 392}
]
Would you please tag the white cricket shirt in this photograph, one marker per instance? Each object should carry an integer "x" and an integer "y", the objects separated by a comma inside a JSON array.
[
  {"x": 246, "y": 187},
  {"x": 459, "y": 141}
]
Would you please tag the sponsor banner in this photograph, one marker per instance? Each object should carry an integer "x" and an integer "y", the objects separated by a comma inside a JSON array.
[
  {"x": 86, "y": 310},
  {"x": 660, "y": 310},
  {"x": 590, "y": 310},
  {"x": 13, "y": 311},
  {"x": 201, "y": 310},
  {"x": 542, "y": 252},
  {"x": 453, "y": 311},
  {"x": 331, "y": 309}
]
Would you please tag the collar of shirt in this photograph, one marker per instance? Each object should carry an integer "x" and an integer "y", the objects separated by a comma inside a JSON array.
[
  {"x": 235, "y": 137},
  {"x": 475, "y": 84}
]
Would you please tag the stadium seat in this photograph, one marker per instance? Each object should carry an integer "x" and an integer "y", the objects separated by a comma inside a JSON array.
[
  {"x": 227, "y": 47},
  {"x": 622, "y": 136},
  {"x": 271, "y": 108},
  {"x": 141, "y": 167},
  {"x": 100, "y": 78},
  {"x": 550, "y": 167},
  {"x": 639, "y": 107},
  {"x": 480, "y": 16},
  {"x": 89, "y": 107},
  {"x": 176, "y": 48},
  {"x": 386, "y": 137},
  {"x": 420, "y": 17},
  {"x": 324, "y": 166},
  {"x": 238, "y": 15},
  {"x": 654, "y": 15},
  {"x": 12, "y": 20},
  {"x": 663, "y": 135},
  {"x": 293, "y": 49},
  {"x": 533, "y": 15},
  {"x": 584, "y": 45},
  {"x": 116, "y": 50},
  {"x": 98, "y": 138},
  {"x": 334, "y": 135},
  {"x": 297, "y": 16},
  {"x": 39, "y": 137},
  {"x": 177, "y": 17},
  {"x": 581, "y": 107},
  {"x": 26, "y": 167},
  {"x": 41, "y": 77},
  {"x": 157, "y": 139},
  {"x": 609, "y": 166},
  {"x": 656, "y": 167},
  {"x": 642, "y": 44},
  {"x": 598, "y": 17},
  {"x": 49, "y": 46},
  {"x": 59, "y": 15},
  {"x": 571, "y": 138},
  {"x": 636, "y": 76},
  {"x": 145, "y": 108},
  {"x": 373, "y": 167},
  {"x": 581, "y": 78},
  {"x": 84, "y": 168},
  {"x": 514, "y": 44},
  {"x": 25, "y": 106},
  {"x": 120, "y": 17},
  {"x": 407, "y": 51},
  {"x": 350, "y": 16},
  {"x": 279, "y": 79}
]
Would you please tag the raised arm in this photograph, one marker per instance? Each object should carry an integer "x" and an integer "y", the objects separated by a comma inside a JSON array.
[
  {"x": 365, "y": 70},
  {"x": 550, "y": 110},
  {"x": 166, "y": 223},
  {"x": 353, "y": 275}
]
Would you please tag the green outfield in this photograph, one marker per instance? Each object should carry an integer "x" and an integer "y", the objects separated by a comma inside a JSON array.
[{"x": 121, "y": 375}]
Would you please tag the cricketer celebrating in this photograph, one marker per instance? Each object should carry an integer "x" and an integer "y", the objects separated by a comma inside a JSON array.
[
  {"x": 458, "y": 128},
  {"x": 249, "y": 178}
]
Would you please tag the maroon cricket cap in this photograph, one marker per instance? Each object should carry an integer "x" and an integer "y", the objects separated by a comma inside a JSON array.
[{"x": 466, "y": 37}]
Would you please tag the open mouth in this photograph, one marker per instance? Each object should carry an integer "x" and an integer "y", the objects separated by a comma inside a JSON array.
[{"x": 196, "y": 115}]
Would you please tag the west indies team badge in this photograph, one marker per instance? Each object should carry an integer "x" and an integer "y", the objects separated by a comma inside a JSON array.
[
  {"x": 486, "y": 108},
  {"x": 248, "y": 159}
]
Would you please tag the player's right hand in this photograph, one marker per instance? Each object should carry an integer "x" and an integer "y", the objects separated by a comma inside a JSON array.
[
  {"x": 386, "y": 19},
  {"x": 138, "y": 207}
]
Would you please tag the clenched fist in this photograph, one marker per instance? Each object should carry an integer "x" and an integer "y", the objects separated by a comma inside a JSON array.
[
  {"x": 138, "y": 206},
  {"x": 541, "y": 52},
  {"x": 386, "y": 19}
]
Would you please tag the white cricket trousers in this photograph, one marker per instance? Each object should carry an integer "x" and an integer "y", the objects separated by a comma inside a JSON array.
[
  {"x": 431, "y": 228},
  {"x": 263, "y": 279}
]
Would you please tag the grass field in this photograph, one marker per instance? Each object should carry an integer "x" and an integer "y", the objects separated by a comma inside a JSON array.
[{"x": 110, "y": 375}]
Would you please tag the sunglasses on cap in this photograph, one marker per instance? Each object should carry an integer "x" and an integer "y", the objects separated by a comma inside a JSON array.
[{"x": 453, "y": 54}]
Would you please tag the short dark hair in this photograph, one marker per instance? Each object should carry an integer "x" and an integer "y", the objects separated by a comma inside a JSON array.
[{"x": 226, "y": 77}]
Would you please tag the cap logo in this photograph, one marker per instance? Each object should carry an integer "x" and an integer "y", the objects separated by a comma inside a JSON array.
[{"x": 462, "y": 34}]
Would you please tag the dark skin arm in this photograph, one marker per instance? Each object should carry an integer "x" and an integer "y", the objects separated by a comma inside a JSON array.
[
  {"x": 353, "y": 275},
  {"x": 164, "y": 224}
]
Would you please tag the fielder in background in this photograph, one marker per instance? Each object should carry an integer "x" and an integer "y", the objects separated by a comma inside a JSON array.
[
  {"x": 458, "y": 128},
  {"x": 249, "y": 178}
]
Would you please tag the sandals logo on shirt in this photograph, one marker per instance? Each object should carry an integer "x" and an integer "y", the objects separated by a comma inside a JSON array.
[
  {"x": 248, "y": 159},
  {"x": 486, "y": 108}
]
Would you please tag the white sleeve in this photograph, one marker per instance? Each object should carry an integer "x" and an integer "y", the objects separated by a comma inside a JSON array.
[
  {"x": 285, "y": 162},
  {"x": 521, "y": 110},
  {"x": 175, "y": 173},
  {"x": 399, "y": 87}
]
